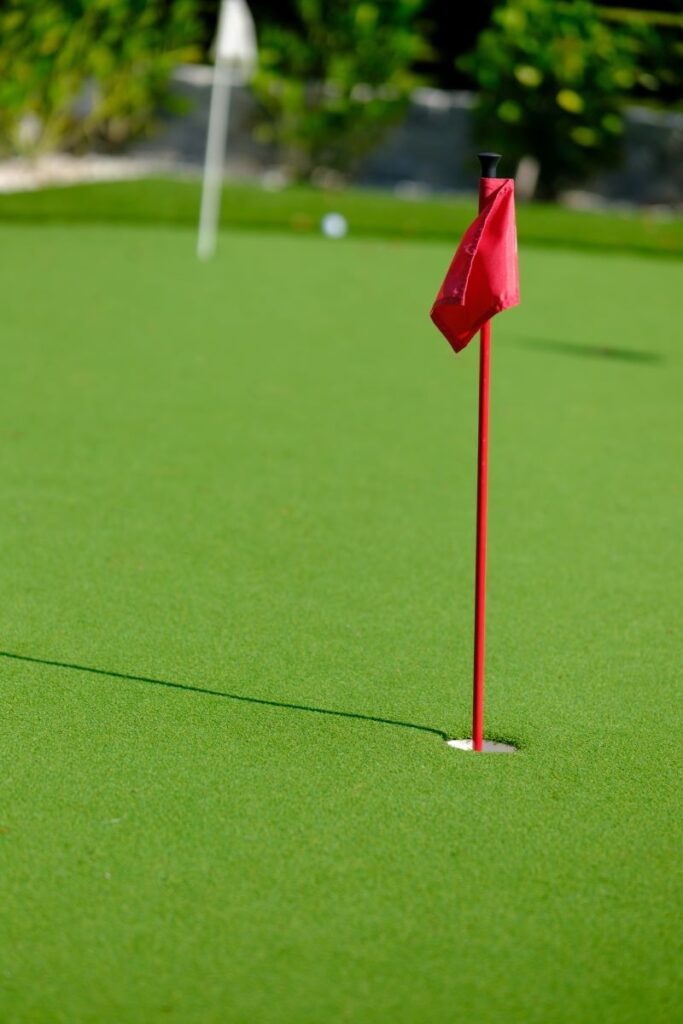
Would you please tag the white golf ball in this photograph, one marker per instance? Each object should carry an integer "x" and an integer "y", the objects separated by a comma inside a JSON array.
[{"x": 334, "y": 225}]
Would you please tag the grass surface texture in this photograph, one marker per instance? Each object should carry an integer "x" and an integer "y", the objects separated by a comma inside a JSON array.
[{"x": 236, "y": 537}]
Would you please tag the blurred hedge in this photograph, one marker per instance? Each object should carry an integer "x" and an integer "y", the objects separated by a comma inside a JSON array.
[
  {"x": 82, "y": 73},
  {"x": 332, "y": 82},
  {"x": 553, "y": 78}
]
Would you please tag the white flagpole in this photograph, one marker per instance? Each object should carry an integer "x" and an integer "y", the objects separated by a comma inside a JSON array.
[
  {"x": 236, "y": 57},
  {"x": 219, "y": 118}
]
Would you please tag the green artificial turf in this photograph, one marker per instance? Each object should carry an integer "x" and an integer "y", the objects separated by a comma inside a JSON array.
[
  {"x": 369, "y": 214},
  {"x": 255, "y": 478}
]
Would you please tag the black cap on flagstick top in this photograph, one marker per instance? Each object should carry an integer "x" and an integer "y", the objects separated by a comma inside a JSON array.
[{"x": 489, "y": 164}]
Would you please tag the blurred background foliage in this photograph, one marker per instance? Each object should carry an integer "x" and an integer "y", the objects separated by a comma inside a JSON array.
[
  {"x": 552, "y": 78},
  {"x": 333, "y": 81},
  {"x": 81, "y": 73}
]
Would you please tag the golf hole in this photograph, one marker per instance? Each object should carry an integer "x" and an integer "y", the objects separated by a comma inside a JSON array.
[{"x": 490, "y": 747}]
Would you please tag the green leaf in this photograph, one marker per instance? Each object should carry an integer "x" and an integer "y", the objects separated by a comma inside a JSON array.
[
  {"x": 510, "y": 112},
  {"x": 529, "y": 76},
  {"x": 570, "y": 101}
]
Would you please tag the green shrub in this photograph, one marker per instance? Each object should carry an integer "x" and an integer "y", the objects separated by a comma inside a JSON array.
[
  {"x": 552, "y": 79},
  {"x": 655, "y": 38},
  {"x": 329, "y": 87},
  {"x": 77, "y": 73}
]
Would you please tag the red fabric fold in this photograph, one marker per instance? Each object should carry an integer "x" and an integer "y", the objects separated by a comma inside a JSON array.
[{"x": 483, "y": 278}]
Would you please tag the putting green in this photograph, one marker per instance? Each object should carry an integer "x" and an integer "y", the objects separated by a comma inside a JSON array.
[{"x": 256, "y": 478}]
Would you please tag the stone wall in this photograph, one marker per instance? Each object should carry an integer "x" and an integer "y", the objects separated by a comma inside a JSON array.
[{"x": 430, "y": 151}]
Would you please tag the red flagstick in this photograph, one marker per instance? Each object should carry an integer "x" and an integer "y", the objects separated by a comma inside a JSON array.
[
  {"x": 483, "y": 279},
  {"x": 482, "y": 509},
  {"x": 489, "y": 163}
]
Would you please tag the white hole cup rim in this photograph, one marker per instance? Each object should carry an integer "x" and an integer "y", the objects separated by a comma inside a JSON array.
[{"x": 489, "y": 747}]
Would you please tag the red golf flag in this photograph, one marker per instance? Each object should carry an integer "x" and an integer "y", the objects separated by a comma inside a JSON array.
[{"x": 483, "y": 278}]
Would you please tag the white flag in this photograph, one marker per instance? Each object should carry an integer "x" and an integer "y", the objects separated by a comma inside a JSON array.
[{"x": 236, "y": 39}]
